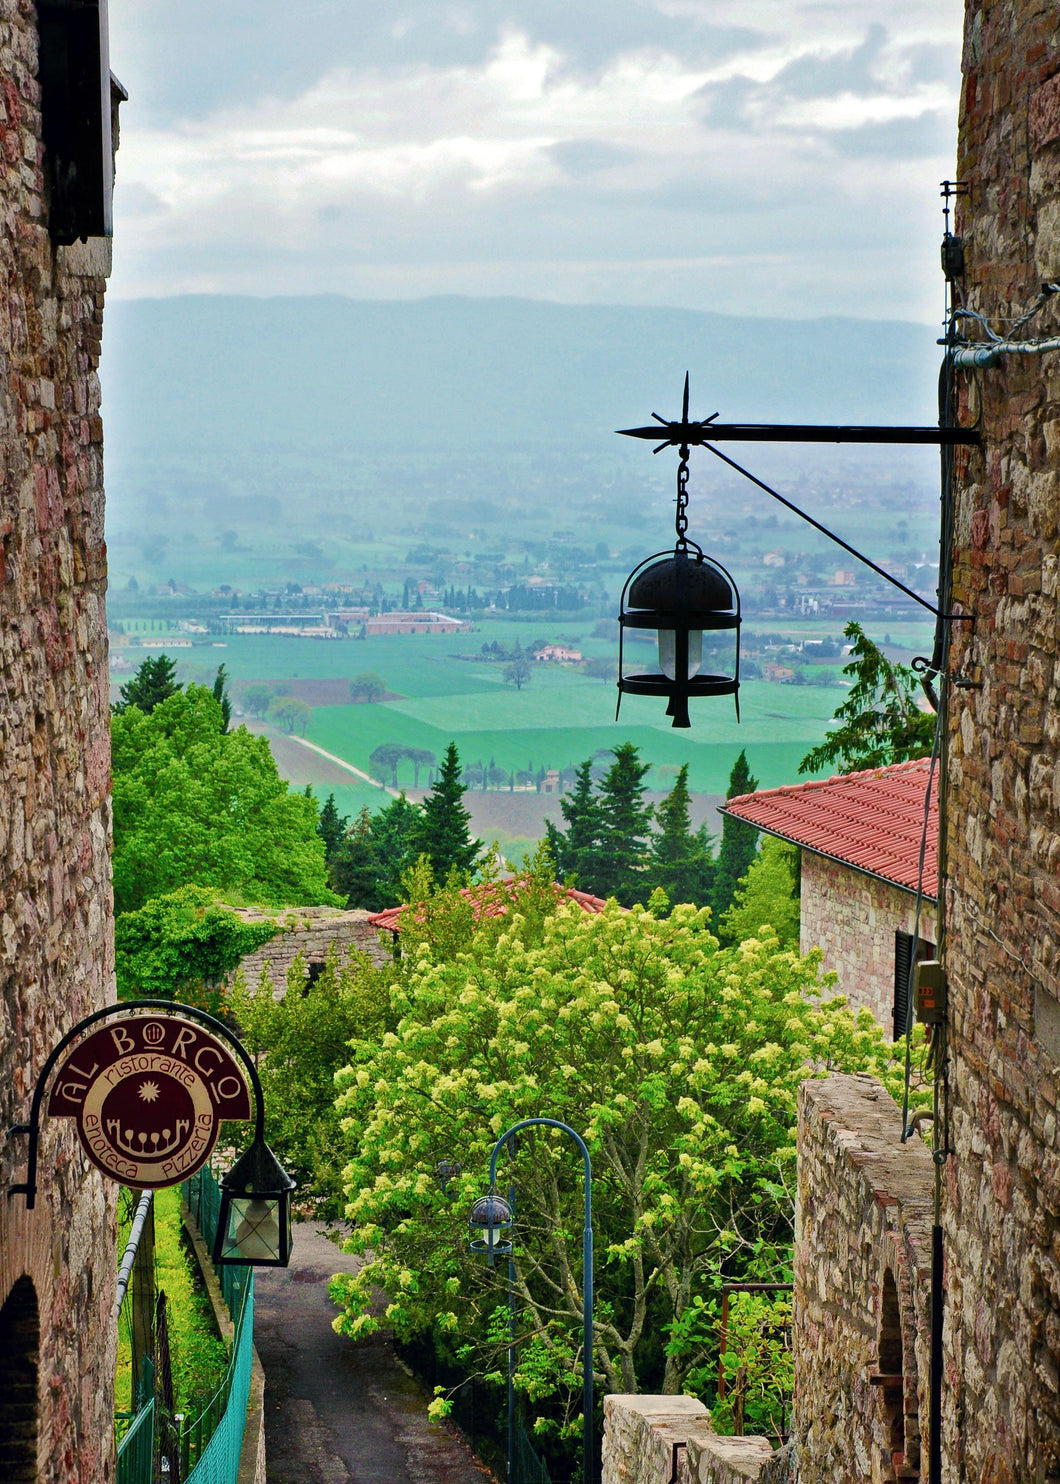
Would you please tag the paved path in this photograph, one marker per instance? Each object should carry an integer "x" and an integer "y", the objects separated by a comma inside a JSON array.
[{"x": 338, "y": 1412}]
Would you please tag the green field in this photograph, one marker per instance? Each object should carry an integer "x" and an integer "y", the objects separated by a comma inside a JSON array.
[{"x": 557, "y": 720}]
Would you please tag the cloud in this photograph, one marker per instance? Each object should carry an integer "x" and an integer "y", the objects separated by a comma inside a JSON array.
[{"x": 532, "y": 157}]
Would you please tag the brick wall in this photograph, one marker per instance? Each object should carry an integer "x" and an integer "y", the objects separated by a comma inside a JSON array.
[
  {"x": 55, "y": 906},
  {"x": 862, "y": 1271},
  {"x": 853, "y": 919},
  {"x": 1002, "y": 823}
]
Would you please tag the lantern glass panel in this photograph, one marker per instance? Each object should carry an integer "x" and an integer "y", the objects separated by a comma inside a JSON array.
[
  {"x": 668, "y": 653},
  {"x": 252, "y": 1232}
]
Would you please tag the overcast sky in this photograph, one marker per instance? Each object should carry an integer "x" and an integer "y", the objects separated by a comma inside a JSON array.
[{"x": 745, "y": 156}]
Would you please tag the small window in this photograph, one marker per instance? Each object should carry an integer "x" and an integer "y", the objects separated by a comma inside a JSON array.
[{"x": 903, "y": 976}]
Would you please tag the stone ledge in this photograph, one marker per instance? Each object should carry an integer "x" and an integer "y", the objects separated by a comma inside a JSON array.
[{"x": 671, "y": 1440}]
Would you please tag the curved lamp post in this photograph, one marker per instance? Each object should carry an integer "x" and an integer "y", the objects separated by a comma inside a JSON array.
[{"x": 493, "y": 1215}]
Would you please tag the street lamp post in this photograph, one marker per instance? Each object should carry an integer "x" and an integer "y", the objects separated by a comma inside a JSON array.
[{"x": 499, "y": 1213}]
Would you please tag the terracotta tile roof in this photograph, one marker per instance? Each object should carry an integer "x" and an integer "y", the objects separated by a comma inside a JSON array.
[
  {"x": 489, "y": 903},
  {"x": 872, "y": 820}
]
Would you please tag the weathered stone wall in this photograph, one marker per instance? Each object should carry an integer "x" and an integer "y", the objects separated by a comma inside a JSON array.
[
  {"x": 863, "y": 1212},
  {"x": 55, "y": 904},
  {"x": 853, "y": 918},
  {"x": 670, "y": 1440},
  {"x": 1002, "y": 813},
  {"x": 311, "y": 932}
]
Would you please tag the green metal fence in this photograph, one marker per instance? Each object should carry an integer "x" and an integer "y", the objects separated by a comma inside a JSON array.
[
  {"x": 527, "y": 1468},
  {"x": 136, "y": 1450},
  {"x": 211, "y": 1443}
]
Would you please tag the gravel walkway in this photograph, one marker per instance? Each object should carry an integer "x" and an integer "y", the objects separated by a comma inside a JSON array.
[{"x": 338, "y": 1412}]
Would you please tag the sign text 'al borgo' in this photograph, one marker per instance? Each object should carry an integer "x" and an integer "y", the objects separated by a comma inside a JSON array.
[{"x": 149, "y": 1093}]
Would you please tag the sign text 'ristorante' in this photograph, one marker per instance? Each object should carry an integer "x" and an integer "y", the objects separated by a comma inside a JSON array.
[{"x": 149, "y": 1093}]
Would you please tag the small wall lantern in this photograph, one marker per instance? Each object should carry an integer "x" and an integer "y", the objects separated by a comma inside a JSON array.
[{"x": 254, "y": 1223}]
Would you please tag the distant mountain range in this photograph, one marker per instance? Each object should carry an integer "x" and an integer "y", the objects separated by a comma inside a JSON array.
[{"x": 234, "y": 404}]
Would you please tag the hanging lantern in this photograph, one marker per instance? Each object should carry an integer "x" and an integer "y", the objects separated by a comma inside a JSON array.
[
  {"x": 254, "y": 1222},
  {"x": 682, "y": 595},
  {"x": 489, "y": 1225}
]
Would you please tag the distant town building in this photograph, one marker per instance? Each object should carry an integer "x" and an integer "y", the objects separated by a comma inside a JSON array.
[{"x": 558, "y": 654}]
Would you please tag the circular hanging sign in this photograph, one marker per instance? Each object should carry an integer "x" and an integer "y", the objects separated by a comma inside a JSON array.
[{"x": 149, "y": 1093}]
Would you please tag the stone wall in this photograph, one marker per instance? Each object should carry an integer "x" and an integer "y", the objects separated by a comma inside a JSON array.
[
  {"x": 670, "y": 1440},
  {"x": 862, "y": 1286},
  {"x": 56, "y": 948},
  {"x": 311, "y": 932},
  {"x": 1002, "y": 805},
  {"x": 853, "y": 918}
]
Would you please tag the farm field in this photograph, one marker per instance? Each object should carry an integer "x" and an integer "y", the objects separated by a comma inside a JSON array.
[{"x": 440, "y": 689}]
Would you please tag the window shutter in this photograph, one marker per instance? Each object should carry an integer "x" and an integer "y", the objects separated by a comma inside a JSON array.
[{"x": 903, "y": 959}]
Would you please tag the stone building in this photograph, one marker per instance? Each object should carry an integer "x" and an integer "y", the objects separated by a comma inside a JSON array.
[
  {"x": 995, "y": 1139},
  {"x": 57, "y": 1262},
  {"x": 859, "y": 837}
]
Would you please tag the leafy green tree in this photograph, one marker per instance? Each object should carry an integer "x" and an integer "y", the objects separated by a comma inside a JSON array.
[
  {"x": 370, "y": 862},
  {"x": 419, "y": 757},
  {"x": 154, "y": 682},
  {"x": 181, "y": 945},
  {"x": 767, "y": 897},
  {"x": 519, "y": 670},
  {"x": 290, "y": 714},
  {"x": 880, "y": 721},
  {"x": 625, "y": 829},
  {"x": 304, "y": 1037},
  {"x": 738, "y": 841},
  {"x": 682, "y": 863},
  {"x": 256, "y": 699},
  {"x": 194, "y": 804},
  {"x": 576, "y": 850},
  {"x": 442, "y": 832},
  {"x": 368, "y": 687},
  {"x": 385, "y": 759},
  {"x": 331, "y": 827},
  {"x": 679, "y": 1062},
  {"x": 220, "y": 695}
]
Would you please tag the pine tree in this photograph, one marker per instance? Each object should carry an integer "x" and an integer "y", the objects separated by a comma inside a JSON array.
[
  {"x": 625, "y": 829},
  {"x": 681, "y": 859},
  {"x": 375, "y": 852},
  {"x": 154, "y": 682},
  {"x": 331, "y": 827},
  {"x": 576, "y": 850},
  {"x": 442, "y": 832},
  {"x": 739, "y": 842}
]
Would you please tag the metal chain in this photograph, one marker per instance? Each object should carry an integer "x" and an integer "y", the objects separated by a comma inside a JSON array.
[{"x": 681, "y": 519}]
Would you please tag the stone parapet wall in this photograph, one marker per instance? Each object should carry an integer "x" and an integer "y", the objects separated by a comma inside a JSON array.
[
  {"x": 56, "y": 949},
  {"x": 670, "y": 1440},
  {"x": 1002, "y": 802},
  {"x": 863, "y": 1210},
  {"x": 311, "y": 932},
  {"x": 853, "y": 918}
]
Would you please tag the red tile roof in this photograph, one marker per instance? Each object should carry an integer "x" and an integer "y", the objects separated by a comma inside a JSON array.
[
  {"x": 872, "y": 821},
  {"x": 489, "y": 902}
]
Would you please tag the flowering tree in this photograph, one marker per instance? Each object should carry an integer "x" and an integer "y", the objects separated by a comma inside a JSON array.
[{"x": 679, "y": 1061}]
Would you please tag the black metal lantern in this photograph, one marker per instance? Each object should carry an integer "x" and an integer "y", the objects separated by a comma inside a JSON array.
[
  {"x": 254, "y": 1223},
  {"x": 488, "y": 1225},
  {"x": 682, "y": 595}
]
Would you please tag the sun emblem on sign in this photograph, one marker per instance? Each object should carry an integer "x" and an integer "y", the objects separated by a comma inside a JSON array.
[{"x": 149, "y": 1091}]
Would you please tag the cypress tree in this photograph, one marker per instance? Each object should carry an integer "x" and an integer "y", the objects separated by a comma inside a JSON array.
[
  {"x": 681, "y": 860},
  {"x": 442, "y": 833},
  {"x": 739, "y": 841}
]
